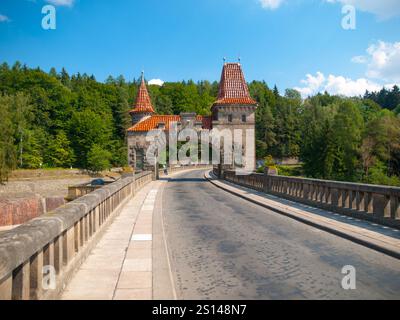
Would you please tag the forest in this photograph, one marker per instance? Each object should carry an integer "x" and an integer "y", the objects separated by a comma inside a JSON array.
[{"x": 57, "y": 120}]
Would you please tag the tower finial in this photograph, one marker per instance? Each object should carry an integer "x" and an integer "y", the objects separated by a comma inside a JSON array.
[
  {"x": 224, "y": 60},
  {"x": 142, "y": 75},
  {"x": 239, "y": 59}
]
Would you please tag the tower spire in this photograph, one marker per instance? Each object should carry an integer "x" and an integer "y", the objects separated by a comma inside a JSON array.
[{"x": 143, "y": 103}]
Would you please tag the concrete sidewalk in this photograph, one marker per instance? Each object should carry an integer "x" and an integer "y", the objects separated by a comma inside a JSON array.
[
  {"x": 380, "y": 238},
  {"x": 120, "y": 266},
  {"x": 131, "y": 261}
]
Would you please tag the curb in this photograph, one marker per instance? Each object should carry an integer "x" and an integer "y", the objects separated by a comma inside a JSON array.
[{"x": 342, "y": 234}]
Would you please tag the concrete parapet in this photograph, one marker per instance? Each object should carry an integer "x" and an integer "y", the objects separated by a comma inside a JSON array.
[{"x": 60, "y": 239}]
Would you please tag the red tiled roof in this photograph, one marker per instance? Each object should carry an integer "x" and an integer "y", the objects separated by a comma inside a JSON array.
[
  {"x": 233, "y": 87},
  {"x": 153, "y": 122},
  {"x": 143, "y": 102}
]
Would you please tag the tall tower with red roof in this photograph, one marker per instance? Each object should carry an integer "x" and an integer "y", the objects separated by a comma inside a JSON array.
[
  {"x": 234, "y": 107},
  {"x": 234, "y": 100}
]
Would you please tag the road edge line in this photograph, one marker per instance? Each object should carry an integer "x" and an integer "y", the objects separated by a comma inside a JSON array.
[{"x": 171, "y": 277}]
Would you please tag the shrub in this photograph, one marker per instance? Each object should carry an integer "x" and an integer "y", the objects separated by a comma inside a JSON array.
[{"x": 98, "y": 159}]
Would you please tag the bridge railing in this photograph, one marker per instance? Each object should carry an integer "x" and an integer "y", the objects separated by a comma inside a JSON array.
[
  {"x": 38, "y": 258},
  {"x": 371, "y": 202}
]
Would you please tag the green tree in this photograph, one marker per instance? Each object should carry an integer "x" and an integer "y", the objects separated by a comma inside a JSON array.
[
  {"x": 347, "y": 129},
  {"x": 265, "y": 122},
  {"x": 311, "y": 128},
  {"x": 31, "y": 154},
  {"x": 59, "y": 152},
  {"x": 88, "y": 128},
  {"x": 98, "y": 159},
  {"x": 287, "y": 132},
  {"x": 293, "y": 95},
  {"x": 7, "y": 148}
]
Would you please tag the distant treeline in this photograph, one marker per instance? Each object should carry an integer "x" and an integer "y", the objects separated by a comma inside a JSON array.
[{"x": 59, "y": 120}]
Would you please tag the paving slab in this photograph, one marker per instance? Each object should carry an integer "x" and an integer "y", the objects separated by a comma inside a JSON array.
[
  {"x": 109, "y": 266},
  {"x": 133, "y": 294},
  {"x": 135, "y": 280}
]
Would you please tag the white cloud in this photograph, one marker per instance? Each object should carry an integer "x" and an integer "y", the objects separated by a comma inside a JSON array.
[
  {"x": 384, "y": 9},
  {"x": 270, "y": 4},
  {"x": 156, "y": 82},
  {"x": 348, "y": 87},
  {"x": 66, "y": 3},
  {"x": 336, "y": 85},
  {"x": 311, "y": 84},
  {"x": 382, "y": 60},
  {"x": 4, "y": 18}
]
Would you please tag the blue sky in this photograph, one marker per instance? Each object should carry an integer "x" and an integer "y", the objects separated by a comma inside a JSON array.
[{"x": 291, "y": 43}]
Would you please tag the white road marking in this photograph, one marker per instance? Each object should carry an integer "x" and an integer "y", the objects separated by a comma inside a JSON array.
[
  {"x": 171, "y": 277},
  {"x": 142, "y": 237}
]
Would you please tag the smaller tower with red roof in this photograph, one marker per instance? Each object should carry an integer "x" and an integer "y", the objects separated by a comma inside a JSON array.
[{"x": 143, "y": 107}]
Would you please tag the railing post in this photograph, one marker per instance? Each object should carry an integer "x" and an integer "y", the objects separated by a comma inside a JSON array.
[
  {"x": 321, "y": 193},
  {"x": 352, "y": 200},
  {"x": 48, "y": 255},
  {"x": 96, "y": 219},
  {"x": 386, "y": 206},
  {"x": 301, "y": 195},
  {"x": 369, "y": 202},
  {"x": 21, "y": 282},
  {"x": 306, "y": 191},
  {"x": 318, "y": 193},
  {"x": 328, "y": 195},
  {"x": 265, "y": 183},
  {"x": 36, "y": 275},
  {"x": 68, "y": 245},
  {"x": 78, "y": 234},
  {"x": 345, "y": 198},
  {"x": 6, "y": 288},
  {"x": 360, "y": 201},
  {"x": 58, "y": 254},
  {"x": 339, "y": 197},
  {"x": 395, "y": 208},
  {"x": 312, "y": 192}
]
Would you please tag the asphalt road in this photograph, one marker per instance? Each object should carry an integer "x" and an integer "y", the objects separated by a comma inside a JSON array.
[{"x": 224, "y": 247}]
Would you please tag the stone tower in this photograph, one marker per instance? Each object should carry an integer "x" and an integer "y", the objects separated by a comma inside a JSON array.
[{"x": 234, "y": 108}]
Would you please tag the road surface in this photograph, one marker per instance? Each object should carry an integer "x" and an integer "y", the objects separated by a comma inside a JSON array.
[{"x": 224, "y": 247}]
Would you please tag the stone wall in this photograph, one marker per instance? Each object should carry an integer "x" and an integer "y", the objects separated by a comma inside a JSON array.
[{"x": 21, "y": 201}]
